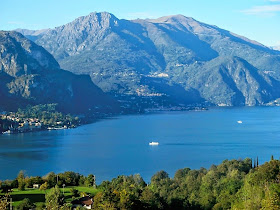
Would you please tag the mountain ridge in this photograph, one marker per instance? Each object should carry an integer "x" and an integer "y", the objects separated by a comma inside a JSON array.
[{"x": 122, "y": 56}]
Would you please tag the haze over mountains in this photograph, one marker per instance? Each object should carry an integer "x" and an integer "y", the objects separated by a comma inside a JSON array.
[
  {"x": 173, "y": 59},
  {"x": 276, "y": 48},
  {"x": 30, "y": 75}
]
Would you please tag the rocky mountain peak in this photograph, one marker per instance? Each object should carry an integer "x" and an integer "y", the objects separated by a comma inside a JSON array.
[
  {"x": 20, "y": 56},
  {"x": 92, "y": 22}
]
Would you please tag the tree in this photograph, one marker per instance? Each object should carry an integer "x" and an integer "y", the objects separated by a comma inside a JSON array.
[
  {"x": 90, "y": 180},
  {"x": 21, "y": 180},
  {"x": 51, "y": 178},
  {"x": 159, "y": 176},
  {"x": 67, "y": 206},
  {"x": 98, "y": 200},
  {"x": 25, "y": 204},
  {"x": 74, "y": 192},
  {"x": 44, "y": 186},
  {"x": 150, "y": 200},
  {"x": 53, "y": 199},
  {"x": 271, "y": 200},
  {"x": 4, "y": 203},
  {"x": 181, "y": 173}
]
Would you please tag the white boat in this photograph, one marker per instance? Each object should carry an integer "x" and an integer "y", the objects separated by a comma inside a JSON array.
[
  {"x": 153, "y": 143},
  {"x": 239, "y": 121}
]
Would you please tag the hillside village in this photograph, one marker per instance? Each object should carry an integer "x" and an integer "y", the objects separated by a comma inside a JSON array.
[
  {"x": 10, "y": 123},
  {"x": 36, "y": 118}
]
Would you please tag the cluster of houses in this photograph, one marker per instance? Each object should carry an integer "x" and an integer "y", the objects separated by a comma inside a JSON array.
[
  {"x": 22, "y": 125},
  {"x": 29, "y": 125}
]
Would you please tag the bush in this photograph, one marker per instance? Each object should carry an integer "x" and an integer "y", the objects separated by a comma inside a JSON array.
[
  {"x": 25, "y": 204},
  {"x": 74, "y": 192}
]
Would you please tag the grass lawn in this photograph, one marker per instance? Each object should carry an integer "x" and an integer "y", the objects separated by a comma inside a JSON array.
[{"x": 37, "y": 196}]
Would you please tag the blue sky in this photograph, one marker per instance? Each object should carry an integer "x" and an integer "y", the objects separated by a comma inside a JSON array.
[{"x": 256, "y": 19}]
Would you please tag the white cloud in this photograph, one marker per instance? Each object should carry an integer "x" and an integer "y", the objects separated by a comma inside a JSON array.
[{"x": 263, "y": 10}]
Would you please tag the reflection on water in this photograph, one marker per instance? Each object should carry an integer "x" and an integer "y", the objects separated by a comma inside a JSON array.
[{"x": 121, "y": 146}]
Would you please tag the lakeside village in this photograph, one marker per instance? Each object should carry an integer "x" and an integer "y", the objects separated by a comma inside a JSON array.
[{"x": 10, "y": 123}]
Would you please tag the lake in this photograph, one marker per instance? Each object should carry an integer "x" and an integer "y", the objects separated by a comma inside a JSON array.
[{"x": 121, "y": 146}]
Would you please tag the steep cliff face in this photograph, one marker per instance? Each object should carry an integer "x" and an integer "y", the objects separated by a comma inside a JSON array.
[
  {"x": 195, "y": 60},
  {"x": 30, "y": 75}
]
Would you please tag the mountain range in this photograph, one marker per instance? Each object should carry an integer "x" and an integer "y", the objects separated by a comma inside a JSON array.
[
  {"x": 30, "y": 75},
  {"x": 169, "y": 60}
]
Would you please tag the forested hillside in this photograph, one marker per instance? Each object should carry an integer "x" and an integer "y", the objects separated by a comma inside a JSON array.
[{"x": 234, "y": 184}]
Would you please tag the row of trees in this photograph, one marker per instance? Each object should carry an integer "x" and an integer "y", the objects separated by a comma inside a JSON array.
[
  {"x": 234, "y": 184},
  {"x": 67, "y": 178}
]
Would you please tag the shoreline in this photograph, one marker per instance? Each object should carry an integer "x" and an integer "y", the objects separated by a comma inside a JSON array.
[
  {"x": 111, "y": 116},
  {"x": 145, "y": 112}
]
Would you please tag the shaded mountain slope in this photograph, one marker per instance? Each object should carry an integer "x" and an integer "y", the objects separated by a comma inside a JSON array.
[{"x": 30, "y": 75}]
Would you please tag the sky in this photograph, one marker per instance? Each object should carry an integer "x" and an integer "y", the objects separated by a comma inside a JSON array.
[{"x": 255, "y": 19}]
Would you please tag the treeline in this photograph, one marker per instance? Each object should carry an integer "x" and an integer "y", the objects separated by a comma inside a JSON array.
[
  {"x": 49, "y": 181},
  {"x": 234, "y": 184}
]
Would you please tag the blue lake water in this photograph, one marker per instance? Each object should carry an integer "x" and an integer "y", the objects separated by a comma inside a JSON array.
[{"x": 121, "y": 146}]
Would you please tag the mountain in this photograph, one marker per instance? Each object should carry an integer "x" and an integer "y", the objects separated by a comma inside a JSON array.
[
  {"x": 172, "y": 59},
  {"x": 32, "y": 34},
  {"x": 30, "y": 75}
]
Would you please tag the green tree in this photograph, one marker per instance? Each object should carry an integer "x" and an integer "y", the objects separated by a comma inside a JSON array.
[
  {"x": 159, "y": 176},
  {"x": 90, "y": 180},
  {"x": 51, "y": 178},
  {"x": 74, "y": 192},
  {"x": 53, "y": 199},
  {"x": 21, "y": 180},
  {"x": 4, "y": 203},
  {"x": 44, "y": 186},
  {"x": 151, "y": 200},
  {"x": 25, "y": 205},
  {"x": 271, "y": 200}
]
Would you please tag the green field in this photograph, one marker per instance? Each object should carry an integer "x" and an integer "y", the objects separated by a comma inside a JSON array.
[{"x": 38, "y": 196}]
